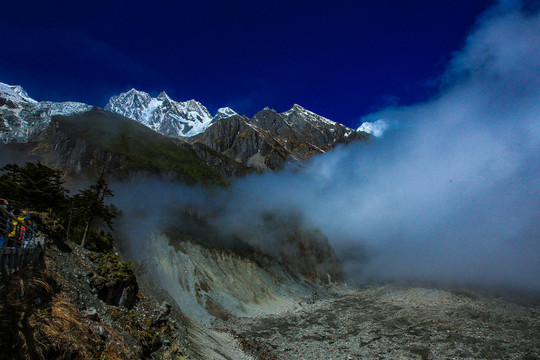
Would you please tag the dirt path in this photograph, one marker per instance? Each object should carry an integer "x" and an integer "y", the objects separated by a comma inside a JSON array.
[{"x": 389, "y": 322}]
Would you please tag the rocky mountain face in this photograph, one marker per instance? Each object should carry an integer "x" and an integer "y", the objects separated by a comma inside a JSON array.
[
  {"x": 22, "y": 117},
  {"x": 164, "y": 115},
  {"x": 236, "y": 138},
  {"x": 269, "y": 140}
]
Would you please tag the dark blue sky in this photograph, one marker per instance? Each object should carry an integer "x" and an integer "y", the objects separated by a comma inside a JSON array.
[{"x": 339, "y": 59}]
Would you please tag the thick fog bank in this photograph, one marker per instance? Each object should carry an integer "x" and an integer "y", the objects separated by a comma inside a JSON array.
[
  {"x": 454, "y": 195},
  {"x": 451, "y": 195}
]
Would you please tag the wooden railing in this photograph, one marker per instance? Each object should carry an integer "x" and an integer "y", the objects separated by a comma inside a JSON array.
[{"x": 15, "y": 258}]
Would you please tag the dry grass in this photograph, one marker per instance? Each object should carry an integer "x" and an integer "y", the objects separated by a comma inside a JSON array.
[
  {"x": 60, "y": 330},
  {"x": 51, "y": 327},
  {"x": 39, "y": 322},
  {"x": 143, "y": 332},
  {"x": 40, "y": 319}
]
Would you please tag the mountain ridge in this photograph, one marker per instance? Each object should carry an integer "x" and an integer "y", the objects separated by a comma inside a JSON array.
[
  {"x": 232, "y": 142},
  {"x": 270, "y": 140}
]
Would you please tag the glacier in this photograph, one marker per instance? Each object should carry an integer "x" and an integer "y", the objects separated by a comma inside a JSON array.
[{"x": 22, "y": 117}]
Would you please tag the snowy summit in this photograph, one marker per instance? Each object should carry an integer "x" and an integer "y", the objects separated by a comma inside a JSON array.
[
  {"x": 164, "y": 115},
  {"x": 15, "y": 93}
]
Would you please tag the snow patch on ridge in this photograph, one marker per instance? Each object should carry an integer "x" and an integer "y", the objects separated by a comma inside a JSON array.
[
  {"x": 224, "y": 113},
  {"x": 308, "y": 115}
]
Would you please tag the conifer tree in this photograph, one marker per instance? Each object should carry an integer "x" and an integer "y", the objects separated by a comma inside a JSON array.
[
  {"x": 34, "y": 186},
  {"x": 91, "y": 207}
]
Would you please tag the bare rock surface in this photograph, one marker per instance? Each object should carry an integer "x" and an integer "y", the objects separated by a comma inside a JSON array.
[
  {"x": 391, "y": 322},
  {"x": 155, "y": 327}
]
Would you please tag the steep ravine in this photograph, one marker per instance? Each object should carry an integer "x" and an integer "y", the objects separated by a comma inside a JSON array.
[
  {"x": 220, "y": 283},
  {"x": 213, "y": 271}
]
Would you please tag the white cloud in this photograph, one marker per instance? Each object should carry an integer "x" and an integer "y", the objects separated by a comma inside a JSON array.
[
  {"x": 454, "y": 195},
  {"x": 378, "y": 127}
]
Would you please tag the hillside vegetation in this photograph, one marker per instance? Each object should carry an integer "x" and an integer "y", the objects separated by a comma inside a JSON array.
[{"x": 124, "y": 147}]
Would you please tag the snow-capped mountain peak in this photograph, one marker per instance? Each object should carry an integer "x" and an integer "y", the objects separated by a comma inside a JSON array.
[
  {"x": 135, "y": 95},
  {"x": 298, "y": 108},
  {"x": 131, "y": 104},
  {"x": 223, "y": 113},
  {"x": 163, "y": 96},
  {"x": 193, "y": 105},
  {"x": 15, "y": 93},
  {"x": 162, "y": 114},
  {"x": 22, "y": 117},
  {"x": 227, "y": 111},
  {"x": 299, "y": 112}
]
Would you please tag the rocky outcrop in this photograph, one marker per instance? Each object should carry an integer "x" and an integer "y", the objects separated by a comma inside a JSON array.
[
  {"x": 59, "y": 314},
  {"x": 214, "y": 272},
  {"x": 219, "y": 283},
  {"x": 114, "y": 281}
]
